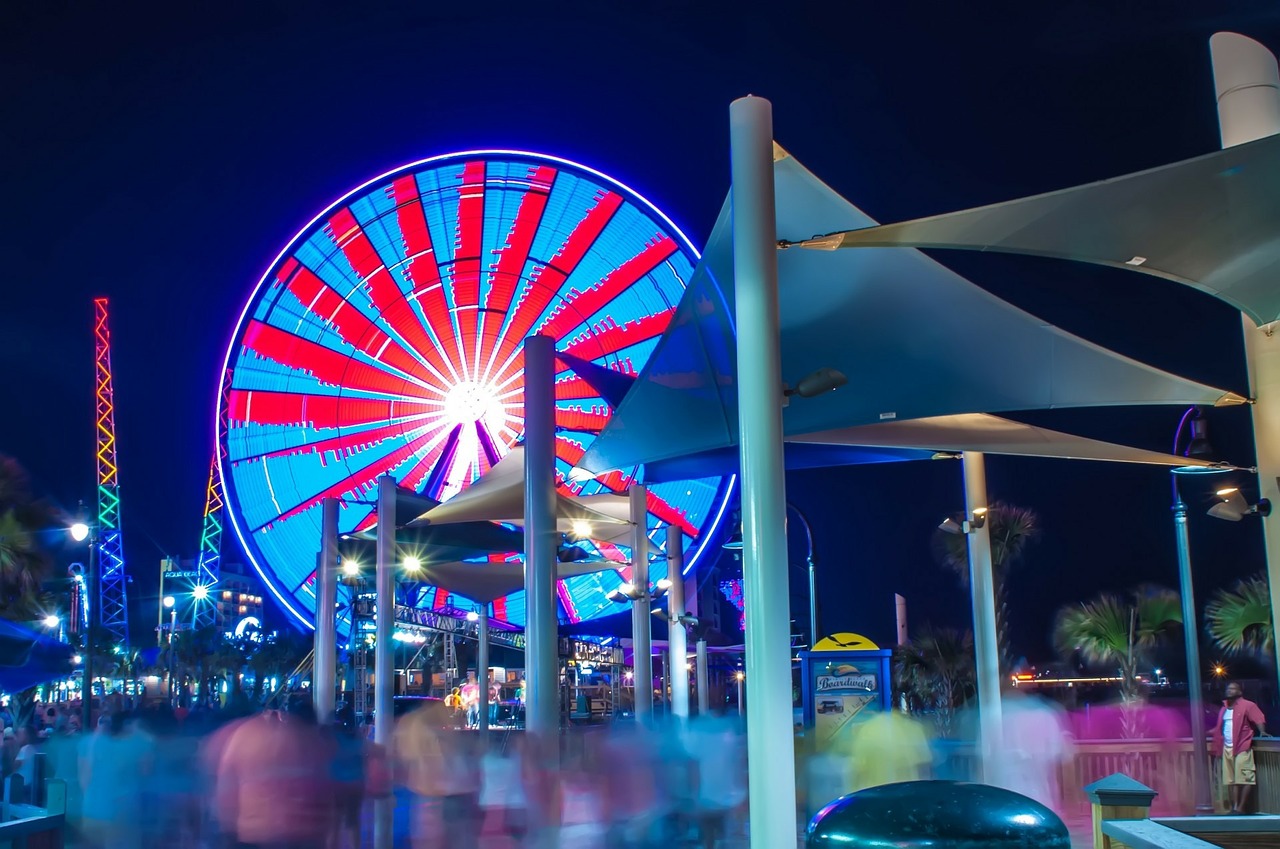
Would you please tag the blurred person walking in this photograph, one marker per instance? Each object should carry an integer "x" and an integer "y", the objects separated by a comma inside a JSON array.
[
  {"x": 115, "y": 763},
  {"x": 275, "y": 788},
  {"x": 349, "y": 777},
  {"x": 887, "y": 748},
  {"x": 1239, "y": 721},
  {"x": 434, "y": 764}
]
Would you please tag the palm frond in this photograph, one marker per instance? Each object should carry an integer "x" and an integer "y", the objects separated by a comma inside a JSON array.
[
  {"x": 1159, "y": 609},
  {"x": 1098, "y": 629},
  {"x": 1239, "y": 619}
]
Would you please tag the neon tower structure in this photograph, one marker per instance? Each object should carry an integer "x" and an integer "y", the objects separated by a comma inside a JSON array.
[
  {"x": 208, "y": 564},
  {"x": 113, "y": 610}
]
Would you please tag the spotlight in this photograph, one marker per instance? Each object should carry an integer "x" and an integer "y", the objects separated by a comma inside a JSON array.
[
  {"x": 975, "y": 520},
  {"x": 1234, "y": 507},
  {"x": 200, "y": 592},
  {"x": 51, "y": 621},
  {"x": 472, "y": 616},
  {"x": 79, "y": 531},
  {"x": 350, "y": 568},
  {"x": 580, "y": 528},
  {"x": 951, "y": 526},
  {"x": 817, "y": 383},
  {"x": 664, "y": 584},
  {"x": 168, "y": 601},
  {"x": 618, "y": 597},
  {"x": 412, "y": 564}
]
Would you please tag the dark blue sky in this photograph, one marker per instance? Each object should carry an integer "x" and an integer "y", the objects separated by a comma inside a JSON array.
[{"x": 164, "y": 160}]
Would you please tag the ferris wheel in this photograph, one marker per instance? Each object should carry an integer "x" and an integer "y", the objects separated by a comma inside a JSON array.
[{"x": 387, "y": 338}]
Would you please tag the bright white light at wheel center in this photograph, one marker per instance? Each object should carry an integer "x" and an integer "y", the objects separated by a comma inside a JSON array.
[{"x": 470, "y": 402}]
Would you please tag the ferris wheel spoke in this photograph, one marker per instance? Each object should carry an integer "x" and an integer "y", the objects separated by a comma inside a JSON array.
[
  {"x": 465, "y": 270},
  {"x": 358, "y": 482},
  {"x": 356, "y": 329},
  {"x": 422, "y": 271},
  {"x": 545, "y": 282},
  {"x": 303, "y": 409},
  {"x": 513, "y": 257},
  {"x": 581, "y": 306},
  {"x": 326, "y": 365},
  {"x": 608, "y": 337},
  {"x": 386, "y": 298},
  {"x": 582, "y": 421}
]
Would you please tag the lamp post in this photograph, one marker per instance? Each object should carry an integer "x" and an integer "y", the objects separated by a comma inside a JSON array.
[
  {"x": 735, "y": 544},
  {"x": 1197, "y": 447},
  {"x": 641, "y": 598},
  {"x": 171, "y": 604},
  {"x": 81, "y": 531}
]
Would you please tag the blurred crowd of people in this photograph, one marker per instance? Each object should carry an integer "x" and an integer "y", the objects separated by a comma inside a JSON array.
[{"x": 279, "y": 779}]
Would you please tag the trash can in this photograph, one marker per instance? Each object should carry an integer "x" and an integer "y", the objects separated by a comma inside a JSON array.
[{"x": 938, "y": 815}]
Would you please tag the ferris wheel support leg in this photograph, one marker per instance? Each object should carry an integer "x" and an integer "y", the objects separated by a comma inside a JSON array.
[
  {"x": 542, "y": 708},
  {"x": 770, "y": 738},
  {"x": 641, "y": 618},
  {"x": 385, "y": 579},
  {"x": 326, "y": 637}
]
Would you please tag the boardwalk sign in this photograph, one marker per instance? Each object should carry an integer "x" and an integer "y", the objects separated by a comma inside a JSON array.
[{"x": 863, "y": 682}]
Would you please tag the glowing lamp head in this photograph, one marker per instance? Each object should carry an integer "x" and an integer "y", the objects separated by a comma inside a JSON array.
[
  {"x": 79, "y": 532},
  {"x": 168, "y": 601},
  {"x": 77, "y": 659},
  {"x": 51, "y": 621},
  {"x": 473, "y": 616},
  {"x": 200, "y": 592},
  {"x": 412, "y": 564},
  {"x": 740, "y": 675},
  {"x": 581, "y": 529},
  {"x": 350, "y": 568},
  {"x": 664, "y": 584}
]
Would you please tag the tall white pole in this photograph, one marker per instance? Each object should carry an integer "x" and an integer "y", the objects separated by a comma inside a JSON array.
[
  {"x": 982, "y": 583},
  {"x": 900, "y": 614},
  {"x": 482, "y": 673},
  {"x": 677, "y": 637},
  {"x": 770, "y": 742},
  {"x": 1247, "y": 82},
  {"x": 542, "y": 708},
  {"x": 704, "y": 687},
  {"x": 385, "y": 623},
  {"x": 325, "y": 649},
  {"x": 641, "y": 615}
]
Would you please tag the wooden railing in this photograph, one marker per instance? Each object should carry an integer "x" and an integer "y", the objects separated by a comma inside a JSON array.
[{"x": 31, "y": 827}]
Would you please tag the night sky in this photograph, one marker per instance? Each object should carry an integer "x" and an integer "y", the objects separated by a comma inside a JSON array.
[{"x": 163, "y": 161}]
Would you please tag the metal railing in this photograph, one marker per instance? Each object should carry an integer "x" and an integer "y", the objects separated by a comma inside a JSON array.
[{"x": 31, "y": 827}]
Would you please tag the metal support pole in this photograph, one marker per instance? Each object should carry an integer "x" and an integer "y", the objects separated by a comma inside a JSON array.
[
  {"x": 704, "y": 688},
  {"x": 982, "y": 583},
  {"x": 385, "y": 622},
  {"x": 173, "y": 632},
  {"x": 325, "y": 642},
  {"x": 1247, "y": 82},
  {"x": 642, "y": 660},
  {"x": 677, "y": 637},
  {"x": 90, "y": 635},
  {"x": 1190, "y": 634},
  {"x": 770, "y": 740},
  {"x": 542, "y": 709},
  {"x": 482, "y": 672},
  {"x": 813, "y": 604},
  {"x": 741, "y": 706}
]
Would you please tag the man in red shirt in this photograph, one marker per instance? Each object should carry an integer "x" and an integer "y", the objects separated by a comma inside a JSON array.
[{"x": 1238, "y": 721}]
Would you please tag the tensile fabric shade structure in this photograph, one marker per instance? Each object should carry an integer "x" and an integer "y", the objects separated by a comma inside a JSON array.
[
  {"x": 914, "y": 339},
  {"x": 28, "y": 658},
  {"x": 487, "y": 582},
  {"x": 387, "y": 338},
  {"x": 1209, "y": 222}
]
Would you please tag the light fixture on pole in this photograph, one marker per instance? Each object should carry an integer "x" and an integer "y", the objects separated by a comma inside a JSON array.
[
  {"x": 972, "y": 522},
  {"x": 170, "y": 604},
  {"x": 1199, "y": 448},
  {"x": 817, "y": 382},
  {"x": 734, "y": 543},
  {"x": 81, "y": 531},
  {"x": 1233, "y": 507}
]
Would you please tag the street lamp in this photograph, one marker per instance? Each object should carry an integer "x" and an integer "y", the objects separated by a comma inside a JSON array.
[
  {"x": 81, "y": 531},
  {"x": 51, "y": 621},
  {"x": 171, "y": 604},
  {"x": 735, "y": 544},
  {"x": 1198, "y": 447}
]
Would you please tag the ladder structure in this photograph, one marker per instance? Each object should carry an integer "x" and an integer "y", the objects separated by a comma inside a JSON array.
[
  {"x": 208, "y": 562},
  {"x": 450, "y": 660},
  {"x": 113, "y": 602}
]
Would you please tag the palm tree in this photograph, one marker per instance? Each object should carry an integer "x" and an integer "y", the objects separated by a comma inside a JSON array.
[
  {"x": 1239, "y": 618},
  {"x": 24, "y": 564},
  {"x": 1012, "y": 529},
  {"x": 1116, "y": 631},
  {"x": 935, "y": 673}
]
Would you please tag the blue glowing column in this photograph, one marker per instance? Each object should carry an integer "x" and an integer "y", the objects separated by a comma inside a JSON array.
[
  {"x": 986, "y": 647},
  {"x": 770, "y": 744},
  {"x": 542, "y": 710},
  {"x": 678, "y": 640},
  {"x": 325, "y": 651},
  {"x": 1247, "y": 82},
  {"x": 385, "y": 584}
]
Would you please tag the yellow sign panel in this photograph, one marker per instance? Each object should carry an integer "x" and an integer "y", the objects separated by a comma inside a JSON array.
[{"x": 844, "y": 642}]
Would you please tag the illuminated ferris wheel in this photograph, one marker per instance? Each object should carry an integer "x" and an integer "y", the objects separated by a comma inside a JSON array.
[{"x": 388, "y": 337}]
